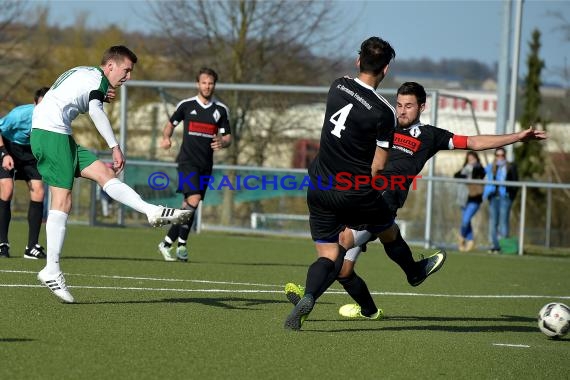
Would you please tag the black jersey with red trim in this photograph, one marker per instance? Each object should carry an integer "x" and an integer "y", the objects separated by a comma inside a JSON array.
[
  {"x": 412, "y": 148},
  {"x": 201, "y": 123},
  {"x": 357, "y": 120}
]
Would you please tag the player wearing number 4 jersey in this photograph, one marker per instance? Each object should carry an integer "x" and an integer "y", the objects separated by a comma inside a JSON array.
[
  {"x": 355, "y": 139},
  {"x": 414, "y": 144},
  {"x": 60, "y": 159}
]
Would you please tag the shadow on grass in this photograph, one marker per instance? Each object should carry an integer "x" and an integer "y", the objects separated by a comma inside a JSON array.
[
  {"x": 110, "y": 258},
  {"x": 11, "y": 340},
  {"x": 502, "y": 318},
  {"x": 258, "y": 264},
  {"x": 198, "y": 262},
  {"x": 451, "y": 329},
  {"x": 238, "y": 303},
  {"x": 377, "y": 326}
]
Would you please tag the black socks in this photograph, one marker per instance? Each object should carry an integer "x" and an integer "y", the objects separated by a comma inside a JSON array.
[
  {"x": 35, "y": 215},
  {"x": 322, "y": 273},
  {"x": 5, "y": 216},
  {"x": 399, "y": 251},
  {"x": 357, "y": 289}
]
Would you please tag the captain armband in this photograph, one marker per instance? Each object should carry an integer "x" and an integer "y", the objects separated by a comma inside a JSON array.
[{"x": 459, "y": 142}]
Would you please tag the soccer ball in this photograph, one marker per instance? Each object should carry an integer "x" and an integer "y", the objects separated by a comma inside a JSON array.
[{"x": 554, "y": 319}]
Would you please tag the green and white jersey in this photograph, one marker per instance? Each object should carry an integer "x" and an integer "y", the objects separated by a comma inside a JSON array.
[{"x": 68, "y": 97}]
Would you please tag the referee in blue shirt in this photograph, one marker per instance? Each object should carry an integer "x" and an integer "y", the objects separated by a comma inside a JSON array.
[{"x": 18, "y": 163}]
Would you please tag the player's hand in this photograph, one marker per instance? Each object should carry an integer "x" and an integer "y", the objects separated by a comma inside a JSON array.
[
  {"x": 165, "y": 143},
  {"x": 118, "y": 160},
  {"x": 216, "y": 143},
  {"x": 532, "y": 134},
  {"x": 7, "y": 162},
  {"x": 110, "y": 95}
]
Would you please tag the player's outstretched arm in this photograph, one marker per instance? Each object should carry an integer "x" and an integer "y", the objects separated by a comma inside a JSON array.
[
  {"x": 482, "y": 142},
  {"x": 532, "y": 134}
]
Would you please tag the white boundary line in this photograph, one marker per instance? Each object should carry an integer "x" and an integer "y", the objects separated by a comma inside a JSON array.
[
  {"x": 280, "y": 287},
  {"x": 511, "y": 345}
]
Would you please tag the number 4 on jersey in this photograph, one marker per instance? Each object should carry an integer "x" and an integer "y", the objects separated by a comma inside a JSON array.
[{"x": 339, "y": 118}]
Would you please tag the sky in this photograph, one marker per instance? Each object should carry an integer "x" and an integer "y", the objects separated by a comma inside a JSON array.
[{"x": 464, "y": 29}]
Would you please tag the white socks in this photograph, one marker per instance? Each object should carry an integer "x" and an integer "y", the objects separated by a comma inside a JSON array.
[
  {"x": 55, "y": 234},
  {"x": 360, "y": 237},
  {"x": 121, "y": 192}
]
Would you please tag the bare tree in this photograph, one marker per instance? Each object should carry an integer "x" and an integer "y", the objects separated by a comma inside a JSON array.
[
  {"x": 11, "y": 35},
  {"x": 24, "y": 44},
  {"x": 251, "y": 41},
  {"x": 248, "y": 41}
]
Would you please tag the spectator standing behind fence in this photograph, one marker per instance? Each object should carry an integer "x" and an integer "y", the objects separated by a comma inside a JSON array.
[
  {"x": 206, "y": 128},
  {"x": 500, "y": 197},
  {"x": 470, "y": 198}
]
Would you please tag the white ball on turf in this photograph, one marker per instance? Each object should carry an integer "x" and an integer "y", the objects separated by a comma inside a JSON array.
[{"x": 554, "y": 319}]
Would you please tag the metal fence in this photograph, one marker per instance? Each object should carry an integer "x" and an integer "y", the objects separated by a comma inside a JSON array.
[
  {"x": 430, "y": 217},
  {"x": 277, "y": 206}
]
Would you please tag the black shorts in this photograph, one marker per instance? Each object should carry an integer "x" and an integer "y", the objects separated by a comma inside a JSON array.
[
  {"x": 25, "y": 164},
  {"x": 192, "y": 179},
  {"x": 330, "y": 211}
]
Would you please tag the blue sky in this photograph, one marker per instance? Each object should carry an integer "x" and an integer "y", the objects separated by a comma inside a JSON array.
[{"x": 432, "y": 29}]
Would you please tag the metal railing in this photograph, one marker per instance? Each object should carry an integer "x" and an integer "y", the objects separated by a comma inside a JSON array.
[{"x": 432, "y": 202}]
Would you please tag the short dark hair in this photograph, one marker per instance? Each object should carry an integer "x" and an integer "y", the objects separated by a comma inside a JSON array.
[
  {"x": 375, "y": 54},
  {"x": 207, "y": 71},
  {"x": 413, "y": 88},
  {"x": 118, "y": 53},
  {"x": 40, "y": 94}
]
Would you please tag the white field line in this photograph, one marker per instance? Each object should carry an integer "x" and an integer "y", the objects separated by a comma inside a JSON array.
[
  {"x": 277, "y": 291},
  {"x": 511, "y": 345}
]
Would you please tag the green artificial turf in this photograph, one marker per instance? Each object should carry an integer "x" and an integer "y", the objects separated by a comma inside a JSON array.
[{"x": 221, "y": 314}]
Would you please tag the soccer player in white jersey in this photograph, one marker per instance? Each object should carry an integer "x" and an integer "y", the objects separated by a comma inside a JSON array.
[{"x": 83, "y": 90}]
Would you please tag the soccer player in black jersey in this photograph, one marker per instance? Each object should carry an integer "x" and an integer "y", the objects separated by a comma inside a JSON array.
[
  {"x": 355, "y": 140},
  {"x": 414, "y": 144},
  {"x": 206, "y": 129}
]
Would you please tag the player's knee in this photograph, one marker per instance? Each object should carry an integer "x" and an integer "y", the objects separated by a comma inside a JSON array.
[
  {"x": 344, "y": 278},
  {"x": 389, "y": 235},
  {"x": 37, "y": 192},
  {"x": 347, "y": 269},
  {"x": 191, "y": 202},
  {"x": 6, "y": 190},
  {"x": 346, "y": 238}
]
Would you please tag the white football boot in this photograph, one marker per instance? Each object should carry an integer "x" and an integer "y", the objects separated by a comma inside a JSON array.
[
  {"x": 56, "y": 283},
  {"x": 166, "y": 252},
  {"x": 166, "y": 215}
]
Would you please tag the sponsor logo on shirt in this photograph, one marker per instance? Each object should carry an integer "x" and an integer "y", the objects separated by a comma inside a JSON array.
[
  {"x": 406, "y": 142},
  {"x": 197, "y": 128}
]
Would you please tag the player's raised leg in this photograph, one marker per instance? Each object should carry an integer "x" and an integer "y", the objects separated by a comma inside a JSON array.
[{"x": 157, "y": 216}]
